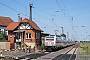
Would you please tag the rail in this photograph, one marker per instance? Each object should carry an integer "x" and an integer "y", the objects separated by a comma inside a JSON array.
[{"x": 69, "y": 53}]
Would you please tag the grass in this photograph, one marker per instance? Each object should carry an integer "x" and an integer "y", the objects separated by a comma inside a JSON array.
[
  {"x": 85, "y": 48},
  {"x": 6, "y": 58}
]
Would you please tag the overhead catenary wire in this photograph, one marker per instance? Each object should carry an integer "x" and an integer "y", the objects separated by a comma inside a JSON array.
[
  {"x": 61, "y": 10},
  {"x": 48, "y": 13},
  {"x": 65, "y": 7},
  {"x": 81, "y": 14},
  {"x": 67, "y": 12},
  {"x": 76, "y": 9},
  {"x": 37, "y": 13},
  {"x": 21, "y": 5},
  {"x": 13, "y": 9},
  {"x": 22, "y": 13},
  {"x": 84, "y": 7},
  {"x": 66, "y": 17},
  {"x": 44, "y": 24}
]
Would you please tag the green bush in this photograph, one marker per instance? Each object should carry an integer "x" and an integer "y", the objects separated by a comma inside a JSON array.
[{"x": 42, "y": 47}]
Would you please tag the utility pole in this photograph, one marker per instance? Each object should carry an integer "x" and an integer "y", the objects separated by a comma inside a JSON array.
[
  {"x": 68, "y": 35},
  {"x": 62, "y": 30},
  {"x": 56, "y": 32},
  {"x": 18, "y": 28},
  {"x": 18, "y": 17},
  {"x": 31, "y": 5}
]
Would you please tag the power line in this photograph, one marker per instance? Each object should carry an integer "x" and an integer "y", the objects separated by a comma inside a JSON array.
[
  {"x": 21, "y": 13},
  {"x": 61, "y": 10},
  {"x": 65, "y": 16},
  {"x": 81, "y": 14},
  {"x": 21, "y": 5},
  {"x": 67, "y": 13},
  {"x": 65, "y": 7},
  {"x": 48, "y": 19},
  {"x": 44, "y": 24},
  {"x": 12, "y": 9},
  {"x": 76, "y": 9},
  {"x": 43, "y": 11},
  {"x": 37, "y": 13},
  {"x": 84, "y": 7}
]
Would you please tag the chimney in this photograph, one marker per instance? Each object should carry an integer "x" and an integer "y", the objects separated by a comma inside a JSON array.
[
  {"x": 20, "y": 19},
  {"x": 31, "y": 5}
]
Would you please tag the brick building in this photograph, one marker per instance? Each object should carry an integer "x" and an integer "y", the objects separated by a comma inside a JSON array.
[
  {"x": 4, "y": 22},
  {"x": 24, "y": 33}
]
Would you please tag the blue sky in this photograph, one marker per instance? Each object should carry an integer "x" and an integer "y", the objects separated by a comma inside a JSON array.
[{"x": 50, "y": 15}]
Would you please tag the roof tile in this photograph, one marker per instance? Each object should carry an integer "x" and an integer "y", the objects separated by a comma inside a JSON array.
[
  {"x": 5, "y": 21},
  {"x": 13, "y": 25}
]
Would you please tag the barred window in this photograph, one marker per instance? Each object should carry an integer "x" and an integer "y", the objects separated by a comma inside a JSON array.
[{"x": 28, "y": 35}]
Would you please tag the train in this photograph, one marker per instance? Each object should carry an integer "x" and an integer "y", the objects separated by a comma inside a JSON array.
[{"x": 55, "y": 42}]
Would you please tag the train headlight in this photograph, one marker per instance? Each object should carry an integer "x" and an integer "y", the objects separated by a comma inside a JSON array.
[
  {"x": 46, "y": 43},
  {"x": 52, "y": 43}
]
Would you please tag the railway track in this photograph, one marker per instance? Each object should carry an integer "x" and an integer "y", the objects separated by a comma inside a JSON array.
[{"x": 68, "y": 53}]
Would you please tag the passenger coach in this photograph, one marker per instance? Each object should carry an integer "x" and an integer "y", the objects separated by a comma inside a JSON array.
[{"x": 54, "y": 42}]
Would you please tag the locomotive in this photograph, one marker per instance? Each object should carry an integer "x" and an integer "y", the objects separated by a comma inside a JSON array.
[{"x": 55, "y": 42}]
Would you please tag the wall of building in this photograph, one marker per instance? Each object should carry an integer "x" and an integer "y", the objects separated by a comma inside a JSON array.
[
  {"x": 38, "y": 40},
  {"x": 30, "y": 42},
  {"x": 33, "y": 42},
  {"x": 5, "y": 46},
  {"x": 11, "y": 39},
  {"x": 33, "y": 39},
  {"x": 2, "y": 27}
]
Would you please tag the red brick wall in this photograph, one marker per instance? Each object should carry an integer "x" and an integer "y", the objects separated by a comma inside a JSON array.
[
  {"x": 7, "y": 46},
  {"x": 33, "y": 40},
  {"x": 32, "y": 34},
  {"x": 39, "y": 41},
  {"x": 11, "y": 39}
]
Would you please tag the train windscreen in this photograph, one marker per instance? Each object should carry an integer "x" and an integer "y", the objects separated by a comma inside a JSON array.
[{"x": 49, "y": 38}]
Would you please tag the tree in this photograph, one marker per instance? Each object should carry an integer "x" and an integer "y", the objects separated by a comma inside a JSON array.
[
  {"x": 3, "y": 36},
  {"x": 63, "y": 35}
]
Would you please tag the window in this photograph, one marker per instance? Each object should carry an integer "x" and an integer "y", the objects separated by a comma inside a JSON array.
[
  {"x": 10, "y": 35},
  {"x": 28, "y": 35},
  {"x": 15, "y": 34},
  {"x": 50, "y": 38}
]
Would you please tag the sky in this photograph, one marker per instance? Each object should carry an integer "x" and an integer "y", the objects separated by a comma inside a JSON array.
[{"x": 51, "y": 15}]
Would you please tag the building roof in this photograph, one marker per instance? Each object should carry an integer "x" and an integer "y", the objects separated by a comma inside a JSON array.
[
  {"x": 32, "y": 23},
  {"x": 44, "y": 34},
  {"x": 14, "y": 25},
  {"x": 5, "y": 21}
]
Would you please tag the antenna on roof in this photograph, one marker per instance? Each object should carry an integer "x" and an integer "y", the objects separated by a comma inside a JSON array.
[{"x": 31, "y": 5}]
